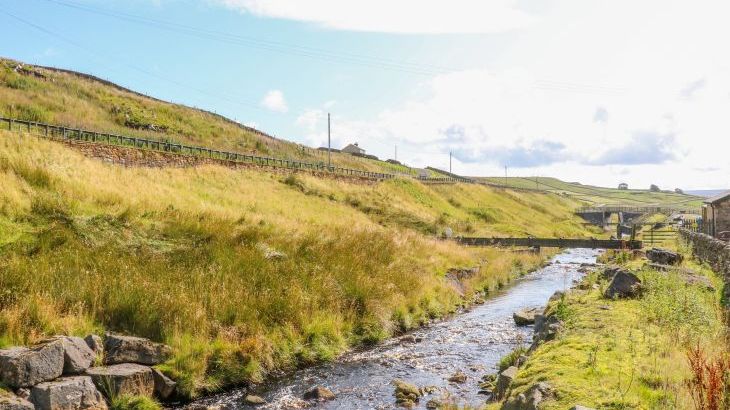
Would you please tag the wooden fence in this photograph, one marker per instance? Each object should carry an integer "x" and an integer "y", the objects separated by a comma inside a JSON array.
[
  {"x": 77, "y": 134},
  {"x": 590, "y": 243}
]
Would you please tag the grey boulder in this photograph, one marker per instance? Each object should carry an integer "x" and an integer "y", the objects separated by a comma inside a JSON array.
[
  {"x": 128, "y": 349},
  {"x": 68, "y": 393},
  {"x": 624, "y": 285},
  {"x": 24, "y": 367},
  {"x": 524, "y": 317},
  {"x": 504, "y": 380},
  {"x": 319, "y": 393},
  {"x": 531, "y": 399},
  {"x": 15, "y": 403},
  {"x": 164, "y": 386},
  {"x": 77, "y": 356},
  {"x": 95, "y": 344},
  {"x": 664, "y": 256},
  {"x": 127, "y": 378}
]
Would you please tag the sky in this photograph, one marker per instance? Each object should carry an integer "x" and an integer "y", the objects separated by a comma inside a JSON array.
[{"x": 583, "y": 90}]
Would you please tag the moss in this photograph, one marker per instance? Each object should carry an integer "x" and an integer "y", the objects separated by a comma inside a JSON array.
[{"x": 129, "y": 402}]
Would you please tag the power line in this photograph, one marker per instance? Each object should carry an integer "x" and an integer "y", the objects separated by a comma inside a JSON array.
[{"x": 133, "y": 67}]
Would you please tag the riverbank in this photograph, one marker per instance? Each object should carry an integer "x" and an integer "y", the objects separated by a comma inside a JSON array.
[
  {"x": 629, "y": 352},
  {"x": 242, "y": 273}
]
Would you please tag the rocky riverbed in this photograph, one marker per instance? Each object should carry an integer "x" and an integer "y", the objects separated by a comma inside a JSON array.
[{"x": 445, "y": 361}]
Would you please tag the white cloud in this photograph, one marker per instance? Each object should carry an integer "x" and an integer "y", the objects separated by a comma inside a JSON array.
[
  {"x": 401, "y": 16},
  {"x": 274, "y": 101}
]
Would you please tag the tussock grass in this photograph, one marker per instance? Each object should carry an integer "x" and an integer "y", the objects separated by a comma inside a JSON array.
[{"x": 242, "y": 272}]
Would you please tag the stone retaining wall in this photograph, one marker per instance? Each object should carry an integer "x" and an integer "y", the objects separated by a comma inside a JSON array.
[
  {"x": 132, "y": 157},
  {"x": 714, "y": 252}
]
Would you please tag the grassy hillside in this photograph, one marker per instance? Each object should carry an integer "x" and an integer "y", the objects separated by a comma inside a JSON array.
[
  {"x": 65, "y": 98},
  {"x": 241, "y": 271},
  {"x": 601, "y": 195}
]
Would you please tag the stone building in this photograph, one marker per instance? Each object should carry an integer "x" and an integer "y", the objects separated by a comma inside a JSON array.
[
  {"x": 623, "y": 186},
  {"x": 353, "y": 149},
  {"x": 716, "y": 214}
]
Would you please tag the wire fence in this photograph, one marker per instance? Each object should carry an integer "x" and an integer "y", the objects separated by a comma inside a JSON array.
[{"x": 78, "y": 134}]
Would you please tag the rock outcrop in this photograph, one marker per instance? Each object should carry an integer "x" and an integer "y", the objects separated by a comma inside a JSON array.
[
  {"x": 319, "y": 393},
  {"x": 624, "y": 285},
  {"x": 24, "y": 367},
  {"x": 68, "y": 393},
  {"x": 663, "y": 256},
  {"x": 529, "y": 400},
  {"x": 546, "y": 328},
  {"x": 504, "y": 380},
  {"x": 95, "y": 344},
  {"x": 524, "y": 317},
  {"x": 164, "y": 386},
  {"x": 77, "y": 355},
  {"x": 127, "y": 378},
  {"x": 128, "y": 349}
]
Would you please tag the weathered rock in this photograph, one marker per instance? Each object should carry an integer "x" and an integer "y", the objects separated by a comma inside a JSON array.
[
  {"x": 406, "y": 394},
  {"x": 127, "y": 378},
  {"x": 254, "y": 400},
  {"x": 546, "y": 328},
  {"x": 164, "y": 386},
  {"x": 23, "y": 393},
  {"x": 319, "y": 393},
  {"x": 95, "y": 344},
  {"x": 524, "y": 317},
  {"x": 128, "y": 349},
  {"x": 68, "y": 393},
  {"x": 23, "y": 367},
  {"x": 556, "y": 296},
  {"x": 531, "y": 399},
  {"x": 77, "y": 355},
  {"x": 610, "y": 271},
  {"x": 504, "y": 379},
  {"x": 623, "y": 285},
  {"x": 664, "y": 256},
  {"x": 521, "y": 360},
  {"x": 458, "y": 377},
  {"x": 697, "y": 280},
  {"x": 579, "y": 407},
  {"x": 15, "y": 403}
]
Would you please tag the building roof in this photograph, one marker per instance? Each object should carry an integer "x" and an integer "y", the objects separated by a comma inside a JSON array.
[{"x": 718, "y": 198}]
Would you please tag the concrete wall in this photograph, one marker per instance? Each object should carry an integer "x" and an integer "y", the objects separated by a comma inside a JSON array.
[{"x": 714, "y": 252}]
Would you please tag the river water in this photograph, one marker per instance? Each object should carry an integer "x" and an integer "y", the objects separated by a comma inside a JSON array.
[{"x": 471, "y": 342}]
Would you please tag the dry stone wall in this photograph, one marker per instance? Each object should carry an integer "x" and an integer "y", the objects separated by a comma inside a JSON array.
[{"x": 714, "y": 252}]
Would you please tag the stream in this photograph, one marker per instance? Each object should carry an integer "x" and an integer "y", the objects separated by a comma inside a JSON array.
[{"x": 472, "y": 342}]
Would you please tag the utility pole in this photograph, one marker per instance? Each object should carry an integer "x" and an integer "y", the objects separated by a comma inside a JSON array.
[
  {"x": 505, "y": 175},
  {"x": 329, "y": 144},
  {"x": 449, "y": 162}
]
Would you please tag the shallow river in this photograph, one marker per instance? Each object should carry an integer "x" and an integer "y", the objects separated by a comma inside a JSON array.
[{"x": 471, "y": 342}]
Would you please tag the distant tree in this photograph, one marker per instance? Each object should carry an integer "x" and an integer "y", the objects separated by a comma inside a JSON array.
[
  {"x": 654, "y": 188},
  {"x": 678, "y": 190}
]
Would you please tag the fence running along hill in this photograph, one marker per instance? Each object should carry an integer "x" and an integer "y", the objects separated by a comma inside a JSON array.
[{"x": 76, "y": 134}]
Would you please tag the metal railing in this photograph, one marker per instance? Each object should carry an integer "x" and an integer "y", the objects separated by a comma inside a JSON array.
[{"x": 78, "y": 134}]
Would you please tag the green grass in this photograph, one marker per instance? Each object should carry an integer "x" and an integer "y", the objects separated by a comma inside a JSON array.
[
  {"x": 628, "y": 353},
  {"x": 184, "y": 256},
  {"x": 42, "y": 95},
  {"x": 127, "y": 402},
  {"x": 601, "y": 195}
]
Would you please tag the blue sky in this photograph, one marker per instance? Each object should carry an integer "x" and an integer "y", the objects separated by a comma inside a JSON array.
[{"x": 581, "y": 90}]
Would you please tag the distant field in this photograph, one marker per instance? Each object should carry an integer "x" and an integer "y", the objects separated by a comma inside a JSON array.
[{"x": 595, "y": 195}]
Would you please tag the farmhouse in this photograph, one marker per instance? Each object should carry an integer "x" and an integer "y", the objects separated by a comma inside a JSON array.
[
  {"x": 716, "y": 214},
  {"x": 353, "y": 149},
  {"x": 623, "y": 186}
]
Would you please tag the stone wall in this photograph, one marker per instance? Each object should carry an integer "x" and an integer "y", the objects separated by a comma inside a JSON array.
[
  {"x": 133, "y": 157},
  {"x": 722, "y": 216},
  {"x": 714, "y": 252}
]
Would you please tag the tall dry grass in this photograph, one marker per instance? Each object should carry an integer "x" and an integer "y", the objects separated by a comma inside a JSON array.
[{"x": 242, "y": 272}]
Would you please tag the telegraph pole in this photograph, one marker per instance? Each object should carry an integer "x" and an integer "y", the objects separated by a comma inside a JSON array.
[
  {"x": 329, "y": 144},
  {"x": 505, "y": 175},
  {"x": 449, "y": 162}
]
